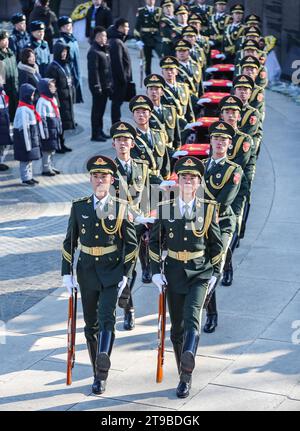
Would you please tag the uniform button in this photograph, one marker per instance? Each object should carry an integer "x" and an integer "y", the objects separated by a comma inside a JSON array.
[
  {"x": 83, "y": 225},
  {"x": 207, "y": 181},
  {"x": 96, "y": 236},
  {"x": 185, "y": 239},
  {"x": 97, "y": 258},
  {"x": 97, "y": 224}
]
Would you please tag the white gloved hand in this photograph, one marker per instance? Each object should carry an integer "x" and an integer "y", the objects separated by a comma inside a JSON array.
[
  {"x": 192, "y": 125},
  {"x": 159, "y": 280},
  {"x": 167, "y": 183},
  {"x": 70, "y": 283},
  {"x": 144, "y": 220},
  {"x": 140, "y": 44},
  {"x": 212, "y": 43},
  {"x": 221, "y": 56},
  {"x": 122, "y": 285},
  {"x": 211, "y": 284},
  {"x": 203, "y": 100},
  {"x": 180, "y": 153},
  {"x": 211, "y": 69}
]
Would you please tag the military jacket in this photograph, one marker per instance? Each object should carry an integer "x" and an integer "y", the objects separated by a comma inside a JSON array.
[
  {"x": 205, "y": 14},
  {"x": 231, "y": 36},
  {"x": 147, "y": 26},
  {"x": 257, "y": 99},
  {"x": 217, "y": 27},
  {"x": 169, "y": 122},
  {"x": 198, "y": 233},
  {"x": 112, "y": 230},
  {"x": 181, "y": 98},
  {"x": 191, "y": 75},
  {"x": 168, "y": 31},
  {"x": 154, "y": 153}
]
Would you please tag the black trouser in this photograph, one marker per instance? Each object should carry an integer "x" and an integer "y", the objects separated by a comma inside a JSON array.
[
  {"x": 116, "y": 103},
  {"x": 98, "y": 109},
  {"x": 148, "y": 52}
]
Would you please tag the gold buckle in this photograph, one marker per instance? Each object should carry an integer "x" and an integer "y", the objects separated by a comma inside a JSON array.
[
  {"x": 97, "y": 251},
  {"x": 183, "y": 255}
]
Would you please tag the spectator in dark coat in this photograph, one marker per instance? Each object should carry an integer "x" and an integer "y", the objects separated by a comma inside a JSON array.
[
  {"x": 97, "y": 15},
  {"x": 65, "y": 24},
  {"x": 42, "y": 12},
  {"x": 28, "y": 69},
  {"x": 5, "y": 139},
  {"x": 120, "y": 64},
  {"x": 11, "y": 87},
  {"x": 39, "y": 46},
  {"x": 100, "y": 81},
  {"x": 60, "y": 70},
  {"x": 19, "y": 37},
  {"x": 27, "y": 6}
]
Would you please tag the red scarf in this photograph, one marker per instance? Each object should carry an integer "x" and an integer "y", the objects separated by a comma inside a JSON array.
[
  {"x": 54, "y": 106},
  {"x": 32, "y": 107}
]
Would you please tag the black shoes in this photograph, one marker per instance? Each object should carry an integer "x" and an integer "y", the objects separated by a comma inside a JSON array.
[
  {"x": 99, "y": 386},
  {"x": 146, "y": 276},
  {"x": 28, "y": 183},
  {"x": 3, "y": 167},
  {"x": 56, "y": 171},
  {"x": 211, "y": 323},
  {"x": 227, "y": 277},
  {"x": 183, "y": 389},
  {"x": 48, "y": 174},
  {"x": 104, "y": 135},
  {"x": 98, "y": 138},
  {"x": 129, "y": 322}
]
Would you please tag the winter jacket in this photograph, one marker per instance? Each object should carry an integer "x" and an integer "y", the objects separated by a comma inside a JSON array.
[
  {"x": 42, "y": 54},
  {"x": 120, "y": 59},
  {"x": 61, "y": 72},
  {"x": 50, "y": 126},
  {"x": 8, "y": 59},
  {"x": 26, "y": 130},
  {"x": 99, "y": 70},
  {"x": 18, "y": 41},
  {"x": 101, "y": 16},
  {"x": 29, "y": 74},
  {"x": 4, "y": 119}
]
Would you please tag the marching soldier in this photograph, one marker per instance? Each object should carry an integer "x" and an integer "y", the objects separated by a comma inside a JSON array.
[
  {"x": 202, "y": 40},
  {"x": 205, "y": 12},
  {"x": 233, "y": 32},
  {"x": 182, "y": 14},
  {"x": 222, "y": 183},
  {"x": 168, "y": 27},
  {"x": 147, "y": 31},
  {"x": 107, "y": 251},
  {"x": 150, "y": 146},
  {"x": 188, "y": 228},
  {"x": 217, "y": 23},
  {"x": 250, "y": 66},
  {"x": 189, "y": 71},
  {"x": 249, "y": 48},
  {"x": 177, "y": 93},
  {"x": 131, "y": 182}
]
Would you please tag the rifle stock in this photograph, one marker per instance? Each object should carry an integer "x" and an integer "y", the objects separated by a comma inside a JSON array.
[
  {"x": 72, "y": 311},
  {"x": 161, "y": 335}
]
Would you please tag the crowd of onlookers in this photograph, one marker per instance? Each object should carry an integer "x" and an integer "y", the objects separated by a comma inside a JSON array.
[{"x": 40, "y": 81}]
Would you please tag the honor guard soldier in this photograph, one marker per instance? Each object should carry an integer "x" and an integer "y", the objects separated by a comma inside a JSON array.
[
  {"x": 151, "y": 147},
  {"x": 177, "y": 93},
  {"x": 168, "y": 27},
  {"x": 131, "y": 182},
  {"x": 233, "y": 32},
  {"x": 164, "y": 116},
  {"x": 197, "y": 53},
  {"x": 202, "y": 40},
  {"x": 147, "y": 31},
  {"x": 189, "y": 71},
  {"x": 242, "y": 152},
  {"x": 217, "y": 24},
  {"x": 182, "y": 14},
  {"x": 107, "y": 251},
  {"x": 205, "y": 12},
  {"x": 188, "y": 228},
  {"x": 19, "y": 38},
  {"x": 250, "y": 33},
  {"x": 249, "y": 48},
  {"x": 250, "y": 66},
  {"x": 222, "y": 183}
]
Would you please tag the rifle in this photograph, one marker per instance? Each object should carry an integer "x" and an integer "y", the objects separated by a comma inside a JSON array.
[
  {"x": 72, "y": 311},
  {"x": 162, "y": 311},
  {"x": 141, "y": 67}
]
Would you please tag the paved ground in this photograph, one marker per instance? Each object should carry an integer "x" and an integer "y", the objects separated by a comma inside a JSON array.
[{"x": 250, "y": 363}]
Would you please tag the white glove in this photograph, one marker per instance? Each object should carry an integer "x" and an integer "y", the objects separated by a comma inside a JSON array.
[
  {"x": 70, "y": 283},
  {"x": 167, "y": 183},
  {"x": 140, "y": 44},
  {"x": 192, "y": 125},
  {"x": 144, "y": 220},
  {"x": 207, "y": 83},
  {"x": 229, "y": 84},
  {"x": 203, "y": 100},
  {"x": 211, "y": 69},
  {"x": 212, "y": 43},
  {"x": 180, "y": 153},
  {"x": 159, "y": 280},
  {"x": 211, "y": 284},
  {"x": 122, "y": 285},
  {"x": 221, "y": 56}
]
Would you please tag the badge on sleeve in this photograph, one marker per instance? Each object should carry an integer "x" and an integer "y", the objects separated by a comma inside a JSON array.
[
  {"x": 246, "y": 146},
  {"x": 236, "y": 178},
  {"x": 253, "y": 120},
  {"x": 260, "y": 97}
]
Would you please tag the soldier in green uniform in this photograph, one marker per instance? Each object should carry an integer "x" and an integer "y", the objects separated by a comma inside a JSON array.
[
  {"x": 150, "y": 146},
  {"x": 188, "y": 227},
  {"x": 147, "y": 31},
  {"x": 177, "y": 93},
  {"x": 222, "y": 183},
  {"x": 240, "y": 151},
  {"x": 182, "y": 14},
  {"x": 164, "y": 116},
  {"x": 205, "y": 12},
  {"x": 189, "y": 70},
  {"x": 250, "y": 66},
  {"x": 233, "y": 32},
  {"x": 168, "y": 27},
  {"x": 217, "y": 24},
  {"x": 203, "y": 41},
  {"x": 108, "y": 247},
  {"x": 131, "y": 182},
  {"x": 249, "y": 48},
  {"x": 250, "y": 33}
]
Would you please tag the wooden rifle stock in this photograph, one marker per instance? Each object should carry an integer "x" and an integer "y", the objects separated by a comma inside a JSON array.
[
  {"x": 71, "y": 335},
  {"x": 161, "y": 335}
]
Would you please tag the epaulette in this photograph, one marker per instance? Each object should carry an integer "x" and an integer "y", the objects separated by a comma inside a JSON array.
[
  {"x": 120, "y": 201},
  {"x": 208, "y": 201},
  {"x": 170, "y": 201},
  {"x": 144, "y": 162},
  {"x": 232, "y": 163},
  {"x": 85, "y": 198}
]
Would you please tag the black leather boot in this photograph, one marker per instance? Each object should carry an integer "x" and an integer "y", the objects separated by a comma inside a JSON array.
[
  {"x": 211, "y": 315},
  {"x": 145, "y": 262},
  {"x": 177, "y": 350},
  {"x": 92, "y": 349},
  {"x": 129, "y": 322},
  {"x": 102, "y": 363},
  {"x": 187, "y": 363},
  {"x": 228, "y": 275}
]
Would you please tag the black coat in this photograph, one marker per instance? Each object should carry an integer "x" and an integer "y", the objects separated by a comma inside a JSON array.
[
  {"x": 120, "y": 60},
  {"x": 103, "y": 18},
  {"x": 62, "y": 74},
  {"x": 8, "y": 61},
  {"x": 28, "y": 75},
  {"x": 48, "y": 17},
  {"x": 4, "y": 123},
  {"x": 99, "y": 70}
]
